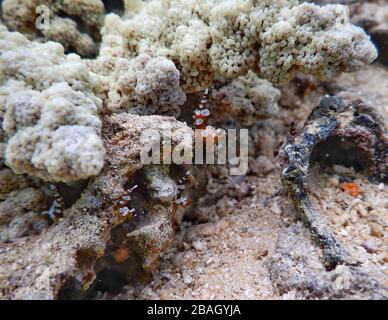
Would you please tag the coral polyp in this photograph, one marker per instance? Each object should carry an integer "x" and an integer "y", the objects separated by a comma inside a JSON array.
[{"x": 229, "y": 38}]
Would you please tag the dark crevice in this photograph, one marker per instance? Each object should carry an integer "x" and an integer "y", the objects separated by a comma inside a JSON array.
[
  {"x": 341, "y": 151},
  {"x": 114, "y": 6},
  {"x": 121, "y": 264},
  {"x": 71, "y": 193}
]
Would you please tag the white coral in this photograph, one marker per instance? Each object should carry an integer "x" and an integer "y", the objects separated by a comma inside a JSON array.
[
  {"x": 274, "y": 38},
  {"x": 246, "y": 99},
  {"x": 20, "y": 15},
  {"x": 148, "y": 61},
  {"x": 316, "y": 40},
  {"x": 145, "y": 86},
  {"x": 48, "y": 111},
  {"x": 64, "y": 31}
]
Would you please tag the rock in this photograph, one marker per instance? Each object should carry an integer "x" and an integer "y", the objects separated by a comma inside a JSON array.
[
  {"x": 370, "y": 246},
  {"x": 296, "y": 268},
  {"x": 276, "y": 209},
  {"x": 334, "y": 180},
  {"x": 262, "y": 253},
  {"x": 203, "y": 214},
  {"x": 376, "y": 230},
  {"x": 198, "y": 245},
  {"x": 225, "y": 206},
  {"x": 66, "y": 259},
  {"x": 179, "y": 259},
  {"x": 342, "y": 170},
  {"x": 262, "y": 165},
  {"x": 206, "y": 230},
  {"x": 187, "y": 279}
]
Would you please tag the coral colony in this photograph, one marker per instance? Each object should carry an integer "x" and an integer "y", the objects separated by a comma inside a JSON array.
[
  {"x": 83, "y": 101},
  {"x": 147, "y": 65},
  {"x": 19, "y": 15}
]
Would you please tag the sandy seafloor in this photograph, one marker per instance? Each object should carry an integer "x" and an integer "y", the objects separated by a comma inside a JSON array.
[{"x": 234, "y": 251}]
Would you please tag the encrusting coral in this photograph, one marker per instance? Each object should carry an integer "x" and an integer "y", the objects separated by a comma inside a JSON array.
[
  {"x": 48, "y": 112},
  {"x": 20, "y": 15},
  {"x": 273, "y": 38}
]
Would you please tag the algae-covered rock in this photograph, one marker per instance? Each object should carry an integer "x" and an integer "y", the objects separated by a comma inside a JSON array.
[{"x": 63, "y": 260}]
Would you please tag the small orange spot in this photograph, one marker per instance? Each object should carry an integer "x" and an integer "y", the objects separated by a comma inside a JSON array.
[
  {"x": 121, "y": 254},
  {"x": 351, "y": 188}
]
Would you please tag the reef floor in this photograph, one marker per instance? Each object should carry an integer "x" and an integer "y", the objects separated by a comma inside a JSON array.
[{"x": 250, "y": 244}]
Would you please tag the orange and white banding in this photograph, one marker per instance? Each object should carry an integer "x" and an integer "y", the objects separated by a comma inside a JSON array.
[{"x": 201, "y": 116}]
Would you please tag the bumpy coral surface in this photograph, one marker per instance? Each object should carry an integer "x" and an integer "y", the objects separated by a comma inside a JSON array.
[
  {"x": 145, "y": 85},
  {"x": 20, "y": 214},
  {"x": 10, "y": 181},
  {"x": 21, "y": 15},
  {"x": 246, "y": 99},
  {"x": 48, "y": 113},
  {"x": 373, "y": 17},
  {"x": 273, "y": 38},
  {"x": 21, "y": 206}
]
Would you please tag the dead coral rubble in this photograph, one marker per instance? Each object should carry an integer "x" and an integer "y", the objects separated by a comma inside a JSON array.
[
  {"x": 295, "y": 269},
  {"x": 53, "y": 265},
  {"x": 351, "y": 123}
]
